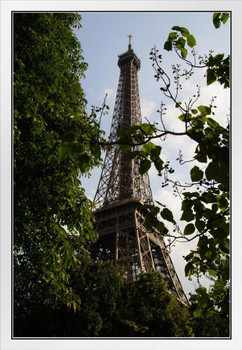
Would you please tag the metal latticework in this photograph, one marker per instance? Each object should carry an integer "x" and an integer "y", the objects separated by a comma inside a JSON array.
[
  {"x": 121, "y": 192},
  {"x": 120, "y": 179}
]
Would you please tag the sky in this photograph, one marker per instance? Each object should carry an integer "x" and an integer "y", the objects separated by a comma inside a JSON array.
[{"x": 104, "y": 36}]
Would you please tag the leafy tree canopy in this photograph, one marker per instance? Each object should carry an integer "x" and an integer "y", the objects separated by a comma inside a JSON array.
[
  {"x": 109, "y": 308},
  {"x": 52, "y": 215}
]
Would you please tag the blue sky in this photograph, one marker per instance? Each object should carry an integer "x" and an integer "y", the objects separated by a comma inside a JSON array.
[{"x": 103, "y": 36}]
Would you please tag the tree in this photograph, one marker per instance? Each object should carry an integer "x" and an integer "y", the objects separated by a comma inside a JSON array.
[
  {"x": 98, "y": 284},
  {"x": 205, "y": 200},
  {"x": 148, "y": 309},
  {"x": 110, "y": 308},
  {"x": 52, "y": 216}
]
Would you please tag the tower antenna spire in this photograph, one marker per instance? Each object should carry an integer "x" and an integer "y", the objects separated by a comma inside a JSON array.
[{"x": 130, "y": 36}]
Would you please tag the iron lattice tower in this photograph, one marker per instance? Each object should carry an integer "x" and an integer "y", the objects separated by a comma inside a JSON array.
[{"x": 122, "y": 191}]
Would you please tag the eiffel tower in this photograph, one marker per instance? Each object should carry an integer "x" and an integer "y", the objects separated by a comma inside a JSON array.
[{"x": 121, "y": 192}]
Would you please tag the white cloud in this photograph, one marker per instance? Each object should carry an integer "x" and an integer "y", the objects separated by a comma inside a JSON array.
[
  {"x": 172, "y": 144},
  {"x": 109, "y": 92},
  {"x": 110, "y": 97},
  {"x": 222, "y": 101},
  {"x": 147, "y": 108},
  {"x": 188, "y": 92},
  {"x": 173, "y": 203},
  {"x": 180, "y": 249}
]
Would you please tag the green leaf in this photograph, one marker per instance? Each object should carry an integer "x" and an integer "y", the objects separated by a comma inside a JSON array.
[
  {"x": 131, "y": 155},
  {"x": 167, "y": 215},
  {"x": 148, "y": 221},
  {"x": 196, "y": 174},
  {"x": 194, "y": 111},
  {"x": 69, "y": 149},
  {"x": 211, "y": 172},
  {"x": 191, "y": 42},
  {"x": 200, "y": 225},
  {"x": 64, "y": 150},
  {"x": 185, "y": 117},
  {"x": 184, "y": 53},
  {"x": 204, "y": 110},
  {"x": 145, "y": 165},
  {"x": 201, "y": 291},
  {"x": 191, "y": 194},
  {"x": 155, "y": 152},
  {"x": 83, "y": 161},
  {"x": 151, "y": 221},
  {"x": 197, "y": 123},
  {"x": 212, "y": 272},
  {"x": 154, "y": 210},
  {"x": 223, "y": 202},
  {"x": 211, "y": 122},
  {"x": 218, "y": 58},
  {"x": 202, "y": 302},
  {"x": 183, "y": 30},
  {"x": 202, "y": 158},
  {"x": 189, "y": 229},
  {"x": 224, "y": 247},
  {"x": 187, "y": 215},
  {"x": 198, "y": 313},
  {"x": 160, "y": 226},
  {"x": 189, "y": 269},
  {"x": 216, "y": 20},
  {"x": 180, "y": 43},
  {"x": 215, "y": 207},
  {"x": 124, "y": 147},
  {"x": 159, "y": 164},
  {"x": 215, "y": 61},
  {"x": 150, "y": 147},
  {"x": 172, "y": 35},
  {"x": 224, "y": 17},
  {"x": 211, "y": 76},
  {"x": 95, "y": 150},
  {"x": 186, "y": 204},
  {"x": 225, "y": 228},
  {"x": 147, "y": 129},
  {"x": 176, "y": 28},
  {"x": 168, "y": 45}
]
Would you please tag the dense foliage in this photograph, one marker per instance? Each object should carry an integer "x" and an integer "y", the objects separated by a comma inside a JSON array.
[
  {"x": 52, "y": 216},
  {"x": 97, "y": 284},
  {"x": 110, "y": 308},
  {"x": 148, "y": 309}
]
